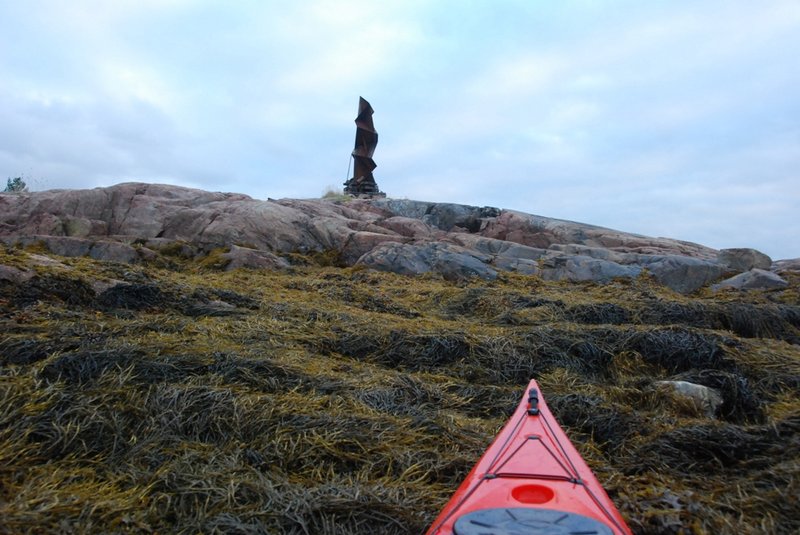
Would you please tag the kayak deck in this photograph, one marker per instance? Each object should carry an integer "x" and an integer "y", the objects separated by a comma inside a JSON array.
[{"x": 530, "y": 480}]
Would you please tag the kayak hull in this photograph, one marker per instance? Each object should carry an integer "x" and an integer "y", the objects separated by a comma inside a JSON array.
[{"x": 530, "y": 480}]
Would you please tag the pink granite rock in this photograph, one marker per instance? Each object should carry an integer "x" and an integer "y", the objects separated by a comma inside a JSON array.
[{"x": 399, "y": 235}]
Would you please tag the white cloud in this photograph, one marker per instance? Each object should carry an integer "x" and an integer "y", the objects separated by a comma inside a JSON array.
[
  {"x": 651, "y": 117},
  {"x": 521, "y": 76},
  {"x": 123, "y": 81},
  {"x": 346, "y": 45}
]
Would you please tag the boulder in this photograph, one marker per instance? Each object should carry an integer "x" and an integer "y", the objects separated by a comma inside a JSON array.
[
  {"x": 398, "y": 258},
  {"x": 743, "y": 259},
  {"x": 584, "y": 268},
  {"x": 450, "y": 261},
  {"x": 460, "y": 264},
  {"x": 681, "y": 273},
  {"x": 360, "y": 243},
  {"x": 15, "y": 275},
  {"x": 77, "y": 227},
  {"x": 703, "y": 399},
  {"x": 755, "y": 279},
  {"x": 243, "y": 257}
]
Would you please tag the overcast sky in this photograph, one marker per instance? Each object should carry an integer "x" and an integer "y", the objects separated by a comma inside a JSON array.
[{"x": 666, "y": 118}]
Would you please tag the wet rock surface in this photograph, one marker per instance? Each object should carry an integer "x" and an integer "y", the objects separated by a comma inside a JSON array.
[{"x": 349, "y": 400}]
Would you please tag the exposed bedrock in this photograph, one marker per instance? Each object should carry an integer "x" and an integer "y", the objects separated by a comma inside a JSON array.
[{"x": 130, "y": 222}]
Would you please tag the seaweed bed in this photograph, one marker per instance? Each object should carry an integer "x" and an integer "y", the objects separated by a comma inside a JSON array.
[{"x": 174, "y": 398}]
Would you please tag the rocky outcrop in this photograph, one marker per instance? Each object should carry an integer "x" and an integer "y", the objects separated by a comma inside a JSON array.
[
  {"x": 544, "y": 233},
  {"x": 585, "y": 268},
  {"x": 244, "y": 257},
  {"x": 100, "y": 249},
  {"x": 15, "y": 275},
  {"x": 755, "y": 279},
  {"x": 743, "y": 259},
  {"x": 788, "y": 265},
  {"x": 451, "y": 261},
  {"x": 682, "y": 274},
  {"x": 134, "y": 222}
]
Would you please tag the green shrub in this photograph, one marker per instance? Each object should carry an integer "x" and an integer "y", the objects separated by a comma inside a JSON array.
[{"x": 16, "y": 185}]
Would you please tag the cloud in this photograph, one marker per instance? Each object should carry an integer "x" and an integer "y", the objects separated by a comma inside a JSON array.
[
  {"x": 347, "y": 44},
  {"x": 649, "y": 117}
]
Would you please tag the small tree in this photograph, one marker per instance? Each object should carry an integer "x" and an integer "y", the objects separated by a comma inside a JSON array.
[{"x": 16, "y": 185}]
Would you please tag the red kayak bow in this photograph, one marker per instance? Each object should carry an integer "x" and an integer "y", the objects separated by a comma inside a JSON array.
[{"x": 531, "y": 480}]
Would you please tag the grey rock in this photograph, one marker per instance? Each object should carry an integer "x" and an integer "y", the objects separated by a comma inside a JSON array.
[
  {"x": 243, "y": 257},
  {"x": 60, "y": 245},
  {"x": 522, "y": 266},
  {"x": 441, "y": 216},
  {"x": 65, "y": 246},
  {"x": 404, "y": 207},
  {"x": 77, "y": 227},
  {"x": 410, "y": 228},
  {"x": 682, "y": 274},
  {"x": 787, "y": 265},
  {"x": 15, "y": 275},
  {"x": 399, "y": 258},
  {"x": 585, "y": 268},
  {"x": 463, "y": 264},
  {"x": 492, "y": 246},
  {"x": 593, "y": 252},
  {"x": 755, "y": 279},
  {"x": 114, "y": 252},
  {"x": 146, "y": 254},
  {"x": 706, "y": 400},
  {"x": 100, "y": 286},
  {"x": 170, "y": 247},
  {"x": 450, "y": 261},
  {"x": 44, "y": 260},
  {"x": 542, "y": 232},
  {"x": 360, "y": 243},
  {"x": 743, "y": 259},
  {"x": 448, "y": 217}
]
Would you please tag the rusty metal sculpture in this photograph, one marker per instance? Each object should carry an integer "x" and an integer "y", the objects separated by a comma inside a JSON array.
[{"x": 362, "y": 181}]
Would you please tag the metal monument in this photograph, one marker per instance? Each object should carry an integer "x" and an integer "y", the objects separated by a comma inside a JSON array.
[{"x": 362, "y": 181}]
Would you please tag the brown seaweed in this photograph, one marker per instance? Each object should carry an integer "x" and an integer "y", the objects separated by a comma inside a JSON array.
[{"x": 345, "y": 401}]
